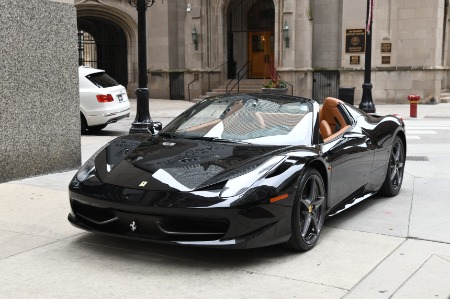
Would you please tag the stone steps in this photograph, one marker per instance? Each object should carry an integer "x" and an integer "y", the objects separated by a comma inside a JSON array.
[
  {"x": 245, "y": 86},
  {"x": 445, "y": 97}
]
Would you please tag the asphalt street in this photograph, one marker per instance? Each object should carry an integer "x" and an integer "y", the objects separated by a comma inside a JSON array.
[{"x": 381, "y": 248}]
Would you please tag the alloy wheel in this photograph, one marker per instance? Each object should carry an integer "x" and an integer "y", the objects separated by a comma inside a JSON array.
[
  {"x": 396, "y": 164},
  {"x": 311, "y": 209}
]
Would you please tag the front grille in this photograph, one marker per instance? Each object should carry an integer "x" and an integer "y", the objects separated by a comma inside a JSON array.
[
  {"x": 92, "y": 214},
  {"x": 193, "y": 229},
  {"x": 157, "y": 227}
]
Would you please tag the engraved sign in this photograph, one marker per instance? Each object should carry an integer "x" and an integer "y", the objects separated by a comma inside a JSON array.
[
  {"x": 355, "y": 41},
  {"x": 385, "y": 59},
  {"x": 386, "y": 47},
  {"x": 355, "y": 59}
]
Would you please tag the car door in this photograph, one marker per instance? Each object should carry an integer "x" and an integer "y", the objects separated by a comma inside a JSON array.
[{"x": 351, "y": 157}]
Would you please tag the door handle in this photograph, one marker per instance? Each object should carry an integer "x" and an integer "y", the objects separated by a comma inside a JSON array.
[{"x": 354, "y": 135}]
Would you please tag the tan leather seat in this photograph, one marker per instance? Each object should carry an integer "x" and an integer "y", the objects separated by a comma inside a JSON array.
[
  {"x": 331, "y": 114},
  {"x": 331, "y": 120},
  {"x": 325, "y": 130}
]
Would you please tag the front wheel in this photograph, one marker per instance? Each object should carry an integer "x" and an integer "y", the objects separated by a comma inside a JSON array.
[
  {"x": 394, "y": 175},
  {"x": 308, "y": 213}
]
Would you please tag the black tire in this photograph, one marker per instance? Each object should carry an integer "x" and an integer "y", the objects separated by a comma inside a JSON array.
[
  {"x": 97, "y": 128},
  {"x": 83, "y": 124},
  {"x": 396, "y": 166},
  {"x": 308, "y": 213}
]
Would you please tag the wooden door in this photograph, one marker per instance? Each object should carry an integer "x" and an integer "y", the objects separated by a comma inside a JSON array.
[{"x": 260, "y": 53}]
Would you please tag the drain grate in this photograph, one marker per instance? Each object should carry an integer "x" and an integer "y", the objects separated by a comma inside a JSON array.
[{"x": 417, "y": 158}]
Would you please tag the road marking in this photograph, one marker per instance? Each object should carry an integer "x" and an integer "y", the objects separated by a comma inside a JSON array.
[
  {"x": 427, "y": 128},
  {"x": 421, "y": 132},
  {"x": 412, "y": 137}
]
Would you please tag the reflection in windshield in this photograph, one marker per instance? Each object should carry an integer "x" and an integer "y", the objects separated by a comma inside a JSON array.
[{"x": 252, "y": 119}]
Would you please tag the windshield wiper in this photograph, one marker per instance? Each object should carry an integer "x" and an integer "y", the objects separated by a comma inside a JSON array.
[
  {"x": 213, "y": 139},
  {"x": 171, "y": 135}
]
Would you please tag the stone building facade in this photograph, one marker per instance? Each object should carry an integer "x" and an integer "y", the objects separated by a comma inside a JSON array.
[{"x": 315, "y": 45}]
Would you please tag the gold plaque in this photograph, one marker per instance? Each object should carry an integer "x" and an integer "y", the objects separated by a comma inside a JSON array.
[
  {"x": 355, "y": 59},
  {"x": 386, "y": 47}
]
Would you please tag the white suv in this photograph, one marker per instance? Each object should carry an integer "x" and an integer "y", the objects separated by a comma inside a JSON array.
[{"x": 102, "y": 99}]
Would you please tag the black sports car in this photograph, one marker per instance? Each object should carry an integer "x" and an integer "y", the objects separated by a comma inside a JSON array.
[{"x": 240, "y": 171}]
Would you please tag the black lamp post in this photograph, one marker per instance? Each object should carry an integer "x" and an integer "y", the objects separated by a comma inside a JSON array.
[
  {"x": 367, "y": 104},
  {"x": 143, "y": 120}
]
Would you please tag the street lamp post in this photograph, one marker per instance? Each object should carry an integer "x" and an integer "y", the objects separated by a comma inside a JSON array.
[
  {"x": 143, "y": 120},
  {"x": 367, "y": 104}
]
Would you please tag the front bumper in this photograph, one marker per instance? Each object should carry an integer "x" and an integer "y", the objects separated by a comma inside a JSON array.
[{"x": 256, "y": 226}]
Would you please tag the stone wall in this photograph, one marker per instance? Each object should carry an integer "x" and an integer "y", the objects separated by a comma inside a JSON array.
[
  {"x": 409, "y": 51},
  {"x": 39, "y": 99},
  {"x": 327, "y": 39}
]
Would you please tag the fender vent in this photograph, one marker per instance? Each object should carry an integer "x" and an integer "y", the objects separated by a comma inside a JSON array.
[{"x": 416, "y": 158}]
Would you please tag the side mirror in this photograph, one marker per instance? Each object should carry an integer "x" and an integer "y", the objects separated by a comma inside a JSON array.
[{"x": 154, "y": 127}]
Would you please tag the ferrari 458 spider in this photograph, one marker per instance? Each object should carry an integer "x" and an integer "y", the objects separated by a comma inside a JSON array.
[{"x": 240, "y": 171}]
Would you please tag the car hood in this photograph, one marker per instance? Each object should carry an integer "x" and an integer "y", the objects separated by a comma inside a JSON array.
[{"x": 157, "y": 163}]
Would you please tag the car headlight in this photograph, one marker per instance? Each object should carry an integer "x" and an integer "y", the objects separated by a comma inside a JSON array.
[
  {"x": 242, "y": 183},
  {"x": 88, "y": 168}
]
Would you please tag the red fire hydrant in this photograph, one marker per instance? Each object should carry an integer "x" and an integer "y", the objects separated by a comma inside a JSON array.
[{"x": 413, "y": 101}]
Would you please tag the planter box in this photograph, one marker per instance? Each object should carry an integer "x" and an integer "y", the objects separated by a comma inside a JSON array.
[{"x": 274, "y": 90}]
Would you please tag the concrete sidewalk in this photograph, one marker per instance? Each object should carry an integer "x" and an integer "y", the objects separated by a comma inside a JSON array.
[
  {"x": 383, "y": 248},
  {"x": 423, "y": 110}
]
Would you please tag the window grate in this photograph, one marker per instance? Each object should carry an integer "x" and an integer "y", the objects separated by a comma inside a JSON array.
[
  {"x": 325, "y": 84},
  {"x": 177, "y": 86}
]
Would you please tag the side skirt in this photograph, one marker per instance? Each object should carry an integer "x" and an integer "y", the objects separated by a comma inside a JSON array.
[{"x": 346, "y": 204}]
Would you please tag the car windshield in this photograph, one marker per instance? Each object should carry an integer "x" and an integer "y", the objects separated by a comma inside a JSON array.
[
  {"x": 102, "y": 80},
  {"x": 265, "y": 119}
]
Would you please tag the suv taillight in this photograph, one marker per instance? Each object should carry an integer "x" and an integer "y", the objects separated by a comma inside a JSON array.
[{"x": 104, "y": 98}]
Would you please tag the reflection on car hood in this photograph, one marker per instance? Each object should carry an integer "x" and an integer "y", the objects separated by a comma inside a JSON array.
[{"x": 180, "y": 164}]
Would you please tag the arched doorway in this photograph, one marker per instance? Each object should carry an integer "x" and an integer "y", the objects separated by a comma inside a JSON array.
[
  {"x": 251, "y": 27},
  {"x": 104, "y": 46}
]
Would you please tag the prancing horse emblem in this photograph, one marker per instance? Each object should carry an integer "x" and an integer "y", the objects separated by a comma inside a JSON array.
[{"x": 133, "y": 226}]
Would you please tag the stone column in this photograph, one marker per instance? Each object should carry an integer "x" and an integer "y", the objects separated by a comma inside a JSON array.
[{"x": 40, "y": 105}]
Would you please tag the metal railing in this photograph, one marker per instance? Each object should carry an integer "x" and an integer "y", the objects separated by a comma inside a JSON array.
[
  {"x": 274, "y": 73},
  {"x": 239, "y": 78},
  {"x": 209, "y": 79}
]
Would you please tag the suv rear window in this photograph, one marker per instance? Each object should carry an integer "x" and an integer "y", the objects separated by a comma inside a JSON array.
[{"x": 102, "y": 80}]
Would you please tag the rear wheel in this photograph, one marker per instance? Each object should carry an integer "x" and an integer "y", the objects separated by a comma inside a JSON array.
[
  {"x": 394, "y": 175},
  {"x": 97, "y": 128},
  {"x": 83, "y": 124},
  {"x": 308, "y": 213}
]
